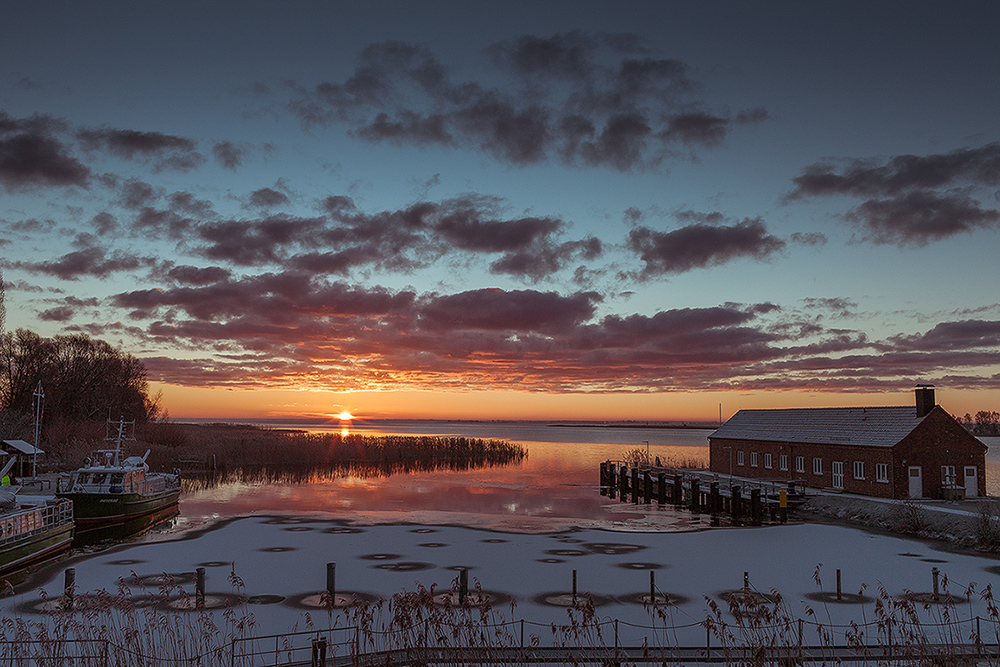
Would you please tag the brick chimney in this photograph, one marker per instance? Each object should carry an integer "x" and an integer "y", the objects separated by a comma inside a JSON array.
[{"x": 925, "y": 399}]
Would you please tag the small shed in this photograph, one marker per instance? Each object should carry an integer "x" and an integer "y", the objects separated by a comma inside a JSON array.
[
  {"x": 917, "y": 451},
  {"x": 25, "y": 453}
]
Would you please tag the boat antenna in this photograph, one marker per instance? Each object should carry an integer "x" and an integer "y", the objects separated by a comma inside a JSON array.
[{"x": 39, "y": 403}]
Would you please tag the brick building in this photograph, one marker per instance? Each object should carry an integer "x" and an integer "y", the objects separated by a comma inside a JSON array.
[{"x": 894, "y": 452}]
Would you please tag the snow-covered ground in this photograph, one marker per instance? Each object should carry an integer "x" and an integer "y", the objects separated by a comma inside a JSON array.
[{"x": 282, "y": 561}]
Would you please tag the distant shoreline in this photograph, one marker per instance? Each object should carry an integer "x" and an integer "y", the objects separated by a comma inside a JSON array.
[{"x": 631, "y": 425}]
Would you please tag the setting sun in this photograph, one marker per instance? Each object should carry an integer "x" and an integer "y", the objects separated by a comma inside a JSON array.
[{"x": 344, "y": 416}]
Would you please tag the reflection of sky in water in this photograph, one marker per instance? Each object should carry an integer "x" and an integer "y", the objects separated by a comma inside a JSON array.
[{"x": 557, "y": 481}]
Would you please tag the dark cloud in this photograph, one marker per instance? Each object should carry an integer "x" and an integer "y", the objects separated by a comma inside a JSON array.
[
  {"x": 87, "y": 262},
  {"x": 193, "y": 275},
  {"x": 268, "y": 198},
  {"x": 917, "y": 218},
  {"x": 808, "y": 238},
  {"x": 958, "y": 335},
  {"x": 163, "y": 151},
  {"x": 229, "y": 155},
  {"x": 496, "y": 309},
  {"x": 910, "y": 199},
  {"x": 577, "y": 98},
  {"x": 57, "y": 314},
  {"x": 701, "y": 245},
  {"x": 32, "y": 154}
]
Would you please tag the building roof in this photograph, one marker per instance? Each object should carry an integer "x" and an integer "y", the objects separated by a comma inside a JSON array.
[
  {"x": 22, "y": 446},
  {"x": 870, "y": 427}
]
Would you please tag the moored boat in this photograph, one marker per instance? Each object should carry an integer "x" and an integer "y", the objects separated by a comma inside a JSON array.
[
  {"x": 110, "y": 489},
  {"x": 31, "y": 533}
]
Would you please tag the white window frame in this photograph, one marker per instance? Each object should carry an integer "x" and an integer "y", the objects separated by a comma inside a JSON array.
[
  {"x": 739, "y": 458},
  {"x": 800, "y": 464},
  {"x": 837, "y": 474},
  {"x": 948, "y": 475},
  {"x": 783, "y": 461},
  {"x": 768, "y": 461},
  {"x": 881, "y": 472},
  {"x": 753, "y": 459},
  {"x": 817, "y": 465},
  {"x": 859, "y": 470}
]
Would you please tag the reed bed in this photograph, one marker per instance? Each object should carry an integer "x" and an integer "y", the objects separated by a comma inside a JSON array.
[{"x": 749, "y": 628}]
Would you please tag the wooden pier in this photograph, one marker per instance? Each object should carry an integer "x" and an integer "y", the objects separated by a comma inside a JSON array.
[{"x": 743, "y": 501}]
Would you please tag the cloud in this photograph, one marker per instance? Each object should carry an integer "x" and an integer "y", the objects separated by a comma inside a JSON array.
[
  {"x": 87, "y": 262},
  {"x": 575, "y": 98},
  {"x": 268, "y": 198},
  {"x": 496, "y": 309},
  {"x": 229, "y": 155},
  {"x": 910, "y": 199},
  {"x": 701, "y": 245},
  {"x": 31, "y": 154},
  {"x": 163, "y": 151}
]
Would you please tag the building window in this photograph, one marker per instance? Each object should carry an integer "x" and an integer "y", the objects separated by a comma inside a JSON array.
[
  {"x": 767, "y": 461},
  {"x": 800, "y": 464},
  {"x": 817, "y": 466},
  {"x": 739, "y": 458},
  {"x": 947, "y": 475},
  {"x": 859, "y": 470},
  {"x": 783, "y": 461},
  {"x": 881, "y": 472},
  {"x": 753, "y": 459}
]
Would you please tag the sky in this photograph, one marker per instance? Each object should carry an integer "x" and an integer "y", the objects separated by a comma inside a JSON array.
[{"x": 574, "y": 210}]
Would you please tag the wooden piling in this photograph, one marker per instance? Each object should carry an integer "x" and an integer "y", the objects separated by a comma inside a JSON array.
[
  {"x": 331, "y": 582},
  {"x": 612, "y": 480},
  {"x": 652, "y": 588},
  {"x": 635, "y": 486},
  {"x": 623, "y": 482},
  {"x": 756, "y": 509},
  {"x": 661, "y": 488},
  {"x": 463, "y": 585},
  {"x": 574, "y": 588},
  {"x": 604, "y": 478},
  {"x": 934, "y": 575},
  {"x": 695, "y": 496},
  {"x": 736, "y": 505},
  {"x": 648, "y": 479},
  {"x": 678, "y": 489},
  {"x": 69, "y": 588},
  {"x": 838, "y": 586},
  {"x": 199, "y": 588}
]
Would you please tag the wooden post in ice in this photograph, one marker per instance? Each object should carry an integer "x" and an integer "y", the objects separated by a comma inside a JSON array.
[
  {"x": 838, "y": 585},
  {"x": 624, "y": 482},
  {"x": 199, "y": 588},
  {"x": 612, "y": 480},
  {"x": 746, "y": 581},
  {"x": 604, "y": 478},
  {"x": 331, "y": 582},
  {"x": 69, "y": 587},
  {"x": 635, "y": 486},
  {"x": 695, "y": 496},
  {"x": 756, "y": 510},
  {"x": 678, "y": 489},
  {"x": 648, "y": 479},
  {"x": 735, "y": 503},
  {"x": 652, "y": 588},
  {"x": 661, "y": 488},
  {"x": 574, "y": 588},
  {"x": 463, "y": 585},
  {"x": 934, "y": 575}
]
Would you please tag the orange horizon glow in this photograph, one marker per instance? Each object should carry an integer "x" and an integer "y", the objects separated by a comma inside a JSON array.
[{"x": 213, "y": 403}]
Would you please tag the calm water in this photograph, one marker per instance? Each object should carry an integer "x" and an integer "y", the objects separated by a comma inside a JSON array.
[
  {"x": 554, "y": 487},
  {"x": 557, "y": 484}
]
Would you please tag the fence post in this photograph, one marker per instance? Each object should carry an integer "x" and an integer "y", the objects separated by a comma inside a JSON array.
[
  {"x": 616, "y": 634},
  {"x": 838, "y": 585},
  {"x": 69, "y": 588},
  {"x": 463, "y": 585},
  {"x": 574, "y": 588},
  {"x": 522, "y": 633}
]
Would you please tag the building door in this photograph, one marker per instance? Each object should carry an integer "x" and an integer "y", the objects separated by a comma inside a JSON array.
[
  {"x": 837, "y": 472},
  {"x": 916, "y": 482},
  {"x": 971, "y": 482}
]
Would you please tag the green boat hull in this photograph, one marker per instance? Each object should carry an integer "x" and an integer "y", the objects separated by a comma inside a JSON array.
[
  {"x": 94, "y": 511},
  {"x": 37, "y": 547}
]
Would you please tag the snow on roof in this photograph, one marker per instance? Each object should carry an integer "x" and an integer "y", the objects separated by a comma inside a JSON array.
[
  {"x": 22, "y": 446},
  {"x": 873, "y": 427}
]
